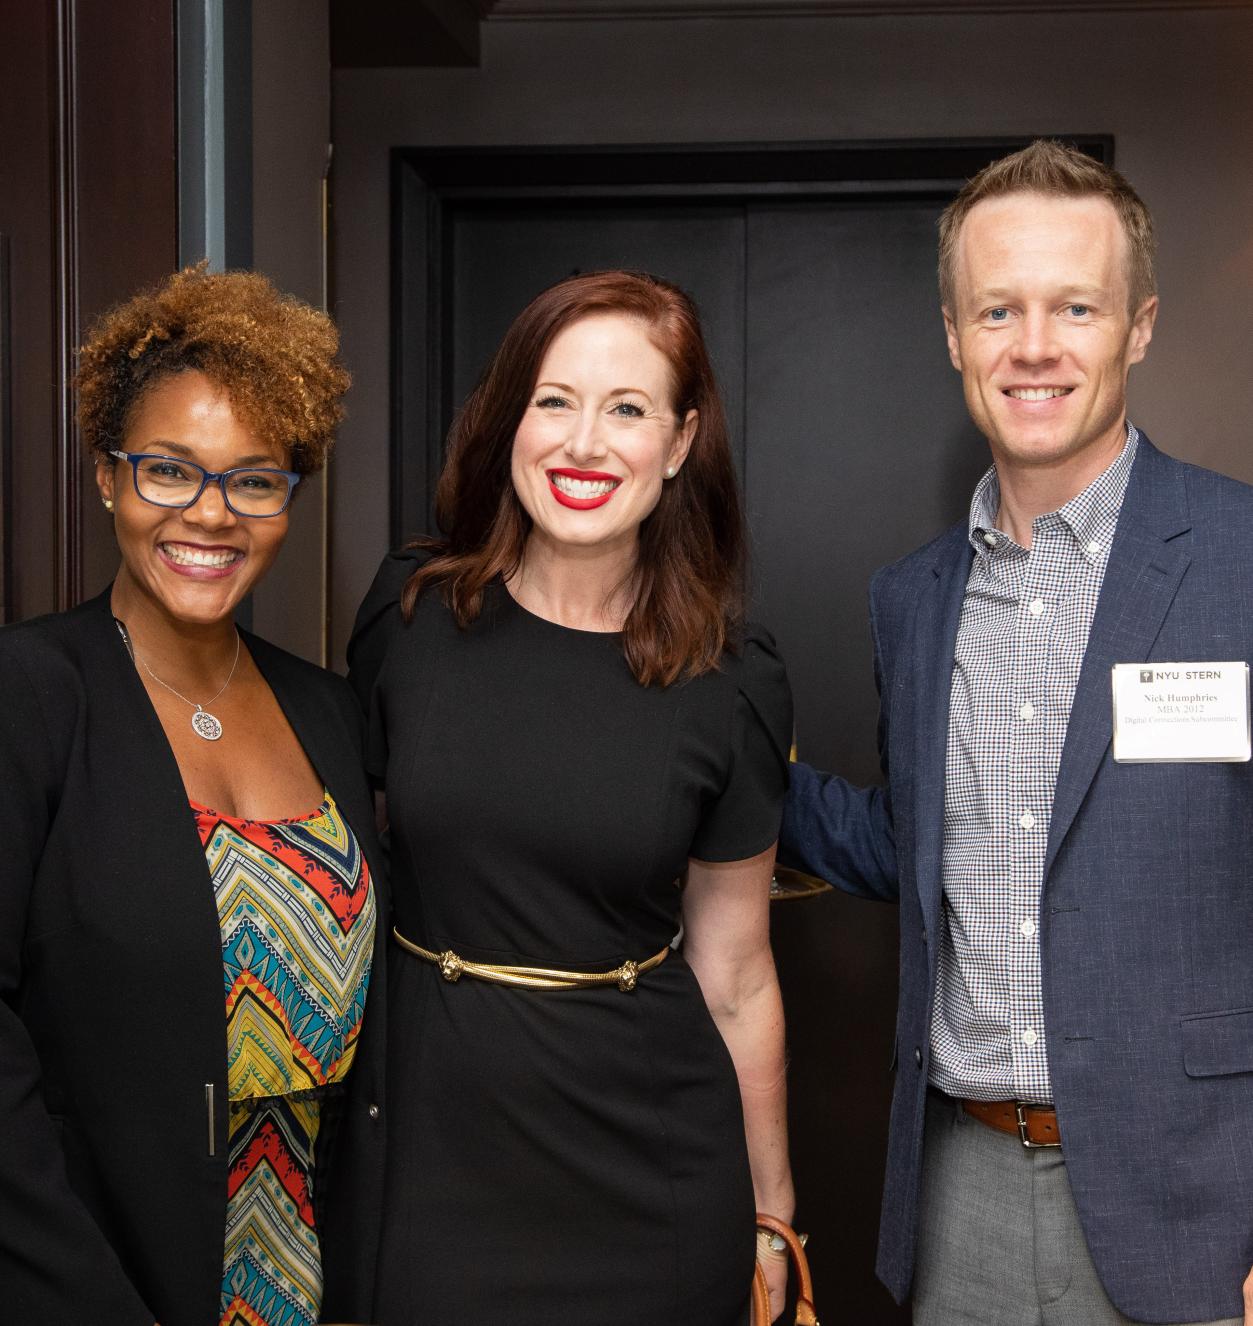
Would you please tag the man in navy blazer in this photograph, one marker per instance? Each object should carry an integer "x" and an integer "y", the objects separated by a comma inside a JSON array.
[{"x": 1072, "y": 1123}]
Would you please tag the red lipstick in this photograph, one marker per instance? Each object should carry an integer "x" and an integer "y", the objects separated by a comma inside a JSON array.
[{"x": 588, "y": 476}]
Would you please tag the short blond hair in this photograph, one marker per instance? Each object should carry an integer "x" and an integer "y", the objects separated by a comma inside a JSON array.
[{"x": 1059, "y": 171}]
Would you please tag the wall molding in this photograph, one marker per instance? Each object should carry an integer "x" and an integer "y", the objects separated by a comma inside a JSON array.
[{"x": 584, "y": 10}]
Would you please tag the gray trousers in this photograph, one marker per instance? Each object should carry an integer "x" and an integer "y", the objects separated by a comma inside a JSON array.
[{"x": 999, "y": 1242}]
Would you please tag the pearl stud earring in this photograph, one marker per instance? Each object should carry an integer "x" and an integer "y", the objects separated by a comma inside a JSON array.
[
  {"x": 670, "y": 471},
  {"x": 108, "y": 504}
]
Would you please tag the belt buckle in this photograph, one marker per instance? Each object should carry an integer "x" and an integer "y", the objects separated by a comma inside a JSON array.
[{"x": 1020, "y": 1115}]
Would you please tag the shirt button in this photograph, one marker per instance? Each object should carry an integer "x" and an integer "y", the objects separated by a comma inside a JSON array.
[
  {"x": 1027, "y": 928},
  {"x": 1026, "y": 711},
  {"x": 990, "y": 539},
  {"x": 1035, "y": 607},
  {"x": 1029, "y": 1036},
  {"x": 373, "y": 1111},
  {"x": 1027, "y": 820},
  {"x": 1093, "y": 548}
]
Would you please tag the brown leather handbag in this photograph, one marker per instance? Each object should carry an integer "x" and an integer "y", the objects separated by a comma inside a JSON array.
[{"x": 805, "y": 1314}]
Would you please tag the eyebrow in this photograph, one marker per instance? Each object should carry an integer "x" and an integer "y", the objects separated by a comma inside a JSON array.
[
  {"x": 1088, "y": 292},
  {"x": 617, "y": 391},
  {"x": 259, "y": 459}
]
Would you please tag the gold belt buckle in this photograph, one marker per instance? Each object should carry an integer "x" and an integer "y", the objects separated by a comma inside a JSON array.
[
  {"x": 450, "y": 965},
  {"x": 627, "y": 975}
]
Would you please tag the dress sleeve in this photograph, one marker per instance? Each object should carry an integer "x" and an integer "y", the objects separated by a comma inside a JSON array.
[
  {"x": 744, "y": 819},
  {"x": 377, "y": 626}
]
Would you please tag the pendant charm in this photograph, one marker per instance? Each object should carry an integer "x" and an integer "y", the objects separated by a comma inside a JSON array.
[{"x": 203, "y": 724}]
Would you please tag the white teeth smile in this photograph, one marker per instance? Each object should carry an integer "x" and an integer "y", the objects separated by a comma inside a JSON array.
[
  {"x": 1038, "y": 393},
  {"x": 583, "y": 487},
  {"x": 186, "y": 556}
]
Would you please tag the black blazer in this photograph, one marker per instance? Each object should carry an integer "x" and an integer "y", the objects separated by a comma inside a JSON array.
[{"x": 112, "y": 1024}]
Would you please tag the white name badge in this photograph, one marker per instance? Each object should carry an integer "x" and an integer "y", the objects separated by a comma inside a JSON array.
[{"x": 1181, "y": 712}]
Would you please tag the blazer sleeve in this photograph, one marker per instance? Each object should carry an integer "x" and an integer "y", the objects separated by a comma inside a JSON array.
[
  {"x": 56, "y": 1265},
  {"x": 838, "y": 831}
]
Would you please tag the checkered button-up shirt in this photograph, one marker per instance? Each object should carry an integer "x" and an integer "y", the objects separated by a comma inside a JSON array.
[{"x": 1020, "y": 644}]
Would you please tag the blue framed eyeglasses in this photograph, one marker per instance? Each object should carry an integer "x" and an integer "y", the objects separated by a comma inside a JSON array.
[{"x": 247, "y": 491}]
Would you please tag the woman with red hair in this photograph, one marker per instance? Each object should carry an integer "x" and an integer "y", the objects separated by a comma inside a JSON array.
[{"x": 583, "y": 751}]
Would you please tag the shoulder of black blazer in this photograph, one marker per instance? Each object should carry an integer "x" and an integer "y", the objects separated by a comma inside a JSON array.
[{"x": 73, "y": 657}]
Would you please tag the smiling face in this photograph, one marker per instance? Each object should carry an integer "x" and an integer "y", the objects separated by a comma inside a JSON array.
[
  {"x": 591, "y": 453},
  {"x": 192, "y": 564},
  {"x": 1041, "y": 332}
]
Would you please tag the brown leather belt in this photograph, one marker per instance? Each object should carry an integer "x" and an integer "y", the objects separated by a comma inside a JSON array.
[{"x": 1032, "y": 1125}]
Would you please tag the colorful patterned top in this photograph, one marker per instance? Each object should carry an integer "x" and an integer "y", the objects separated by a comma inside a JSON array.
[{"x": 297, "y": 913}]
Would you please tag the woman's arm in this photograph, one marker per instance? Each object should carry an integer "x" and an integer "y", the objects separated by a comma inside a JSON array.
[
  {"x": 55, "y": 1263},
  {"x": 726, "y": 941}
]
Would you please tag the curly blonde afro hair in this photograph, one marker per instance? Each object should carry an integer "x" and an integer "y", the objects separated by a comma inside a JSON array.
[{"x": 274, "y": 355}]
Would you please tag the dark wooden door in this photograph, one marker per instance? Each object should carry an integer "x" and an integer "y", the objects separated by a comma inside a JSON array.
[
  {"x": 503, "y": 256},
  {"x": 88, "y": 213},
  {"x": 858, "y": 449}
]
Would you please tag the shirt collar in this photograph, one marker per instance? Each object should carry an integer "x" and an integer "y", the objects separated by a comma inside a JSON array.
[{"x": 1090, "y": 517}]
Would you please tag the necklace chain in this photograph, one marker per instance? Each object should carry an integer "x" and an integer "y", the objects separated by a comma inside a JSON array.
[{"x": 230, "y": 675}]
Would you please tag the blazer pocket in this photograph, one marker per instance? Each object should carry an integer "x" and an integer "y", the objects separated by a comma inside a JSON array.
[{"x": 1215, "y": 1044}]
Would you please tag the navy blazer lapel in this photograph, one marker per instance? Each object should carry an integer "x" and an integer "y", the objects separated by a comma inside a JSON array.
[
  {"x": 1144, "y": 572},
  {"x": 941, "y": 592}
]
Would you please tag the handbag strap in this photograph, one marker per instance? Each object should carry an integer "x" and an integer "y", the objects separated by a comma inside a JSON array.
[
  {"x": 761, "y": 1297},
  {"x": 805, "y": 1313}
]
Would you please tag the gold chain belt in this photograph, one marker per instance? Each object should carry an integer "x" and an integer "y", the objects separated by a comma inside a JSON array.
[{"x": 453, "y": 968}]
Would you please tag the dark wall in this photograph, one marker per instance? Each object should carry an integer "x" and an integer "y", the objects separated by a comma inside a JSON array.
[{"x": 291, "y": 134}]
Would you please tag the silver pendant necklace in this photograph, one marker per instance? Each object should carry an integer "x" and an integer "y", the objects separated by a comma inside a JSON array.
[{"x": 203, "y": 723}]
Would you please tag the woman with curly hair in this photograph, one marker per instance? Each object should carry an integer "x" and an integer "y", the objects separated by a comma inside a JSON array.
[
  {"x": 188, "y": 906},
  {"x": 583, "y": 748}
]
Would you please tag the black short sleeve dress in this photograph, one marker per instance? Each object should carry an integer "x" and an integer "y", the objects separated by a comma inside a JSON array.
[{"x": 559, "y": 1156}]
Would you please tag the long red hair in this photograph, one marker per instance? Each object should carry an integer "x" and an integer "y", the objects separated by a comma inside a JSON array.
[{"x": 688, "y": 580}]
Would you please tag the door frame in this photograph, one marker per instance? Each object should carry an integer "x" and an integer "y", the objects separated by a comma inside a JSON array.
[{"x": 428, "y": 183}]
